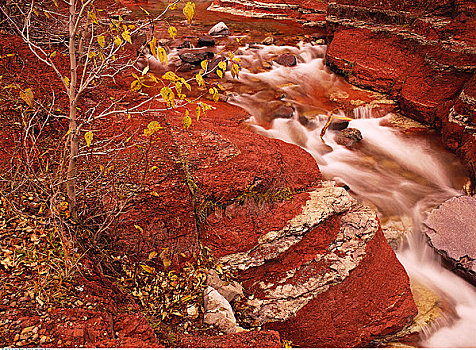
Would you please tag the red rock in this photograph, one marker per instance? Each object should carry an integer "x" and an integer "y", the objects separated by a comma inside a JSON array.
[
  {"x": 252, "y": 339},
  {"x": 287, "y": 60},
  {"x": 426, "y": 65},
  {"x": 320, "y": 277}
]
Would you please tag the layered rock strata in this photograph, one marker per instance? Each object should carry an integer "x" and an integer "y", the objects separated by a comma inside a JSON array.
[
  {"x": 325, "y": 278},
  {"x": 421, "y": 53}
]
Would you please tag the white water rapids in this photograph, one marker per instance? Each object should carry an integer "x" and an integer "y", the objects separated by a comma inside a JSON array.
[{"x": 400, "y": 175}]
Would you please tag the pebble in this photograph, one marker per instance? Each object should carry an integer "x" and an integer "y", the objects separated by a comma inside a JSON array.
[{"x": 219, "y": 29}]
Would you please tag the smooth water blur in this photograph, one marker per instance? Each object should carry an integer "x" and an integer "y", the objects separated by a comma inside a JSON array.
[{"x": 400, "y": 174}]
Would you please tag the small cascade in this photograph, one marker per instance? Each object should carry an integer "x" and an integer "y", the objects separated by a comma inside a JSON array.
[{"x": 401, "y": 175}]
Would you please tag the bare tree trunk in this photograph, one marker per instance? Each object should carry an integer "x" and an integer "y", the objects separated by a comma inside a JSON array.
[{"x": 73, "y": 125}]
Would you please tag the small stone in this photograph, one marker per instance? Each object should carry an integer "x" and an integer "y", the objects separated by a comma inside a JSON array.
[
  {"x": 348, "y": 137},
  {"x": 43, "y": 339},
  {"x": 206, "y": 41},
  {"x": 269, "y": 40},
  {"x": 195, "y": 58},
  {"x": 219, "y": 29},
  {"x": 285, "y": 112},
  {"x": 218, "y": 311},
  {"x": 287, "y": 60},
  {"x": 185, "y": 45}
]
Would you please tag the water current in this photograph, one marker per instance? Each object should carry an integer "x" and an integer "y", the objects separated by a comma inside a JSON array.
[{"x": 402, "y": 175}]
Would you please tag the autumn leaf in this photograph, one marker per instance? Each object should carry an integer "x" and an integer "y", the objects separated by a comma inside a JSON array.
[
  {"x": 145, "y": 70},
  {"x": 168, "y": 95},
  {"x": 152, "y": 127},
  {"x": 178, "y": 88},
  {"x": 204, "y": 64},
  {"x": 162, "y": 55},
  {"x": 126, "y": 36},
  {"x": 153, "y": 47},
  {"x": 189, "y": 11},
  {"x": 148, "y": 269},
  {"x": 172, "y": 32},
  {"x": 220, "y": 73},
  {"x": 197, "y": 112},
  {"x": 170, "y": 76},
  {"x": 200, "y": 81},
  {"x": 101, "y": 40},
  {"x": 222, "y": 65},
  {"x": 139, "y": 228},
  {"x": 27, "y": 96},
  {"x": 88, "y": 136},
  {"x": 146, "y": 12},
  {"x": 93, "y": 17},
  {"x": 117, "y": 41},
  {"x": 187, "y": 121},
  {"x": 152, "y": 255},
  {"x": 235, "y": 70}
]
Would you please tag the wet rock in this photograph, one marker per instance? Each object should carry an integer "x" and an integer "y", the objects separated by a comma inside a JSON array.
[
  {"x": 338, "y": 124},
  {"x": 218, "y": 311},
  {"x": 450, "y": 230},
  {"x": 195, "y": 58},
  {"x": 285, "y": 112},
  {"x": 205, "y": 41},
  {"x": 269, "y": 40},
  {"x": 348, "y": 137},
  {"x": 287, "y": 59},
  {"x": 229, "y": 290},
  {"x": 219, "y": 29},
  {"x": 185, "y": 45}
]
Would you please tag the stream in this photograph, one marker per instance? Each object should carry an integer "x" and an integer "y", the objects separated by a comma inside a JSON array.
[{"x": 401, "y": 175}]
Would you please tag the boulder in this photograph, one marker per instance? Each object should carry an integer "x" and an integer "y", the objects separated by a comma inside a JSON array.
[
  {"x": 195, "y": 58},
  {"x": 286, "y": 59},
  {"x": 205, "y": 41},
  {"x": 348, "y": 137},
  {"x": 229, "y": 290},
  {"x": 219, "y": 29},
  {"x": 218, "y": 311},
  {"x": 311, "y": 276},
  {"x": 450, "y": 231},
  {"x": 185, "y": 45}
]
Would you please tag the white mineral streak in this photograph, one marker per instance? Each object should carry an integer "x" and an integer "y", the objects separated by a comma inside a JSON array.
[{"x": 283, "y": 300}]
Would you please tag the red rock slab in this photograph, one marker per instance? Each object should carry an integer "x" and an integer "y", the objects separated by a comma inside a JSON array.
[{"x": 251, "y": 339}]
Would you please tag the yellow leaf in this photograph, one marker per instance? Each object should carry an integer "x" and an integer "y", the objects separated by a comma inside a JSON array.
[
  {"x": 187, "y": 121},
  {"x": 170, "y": 76},
  {"x": 88, "y": 136},
  {"x": 220, "y": 73},
  {"x": 167, "y": 262},
  {"x": 204, "y": 64},
  {"x": 126, "y": 36},
  {"x": 145, "y": 70},
  {"x": 235, "y": 70},
  {"x": 148, "y": 269},
  {"x": 222, "y": 65},
  {"x": 139, "y": 228},
  {"x": 153, "y": 47},
  {"x": 53, "y": 54},
  {"x": 91, "y": 54},
  {"x": 200, "y": 81},
  {"x": 117, "y": 41},
  {"x": 101, "y": 40},
  {"x": 93, "y": 17},
  {"x": 101, "y": 56},
  {"x": 173, "y": 6},
  {"x": 27, "y": 96},
  {"x": 136, "y": 85},
  {"x": 189, "y": 11},
  {"x": 162, "y": 55},
  {"x": 56, "y": 4},
  {"x": 155, "y": 194},
  {"x": 197, "y": 112},
  {"x": 221, "y": 87},
  {"x": 46, "y": 14},
  {"x": 168, "y": 95},
  {"x": 172, "y": 32},
  {"x": 101, "y": 167},
  {"x": 152, "y": 255},
  {"x": 178, "y": 88},
  {"x": 152, "y": 127}
]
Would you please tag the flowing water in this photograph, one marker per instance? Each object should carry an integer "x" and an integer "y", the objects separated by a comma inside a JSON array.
[{"x": 402, "y": 175}]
